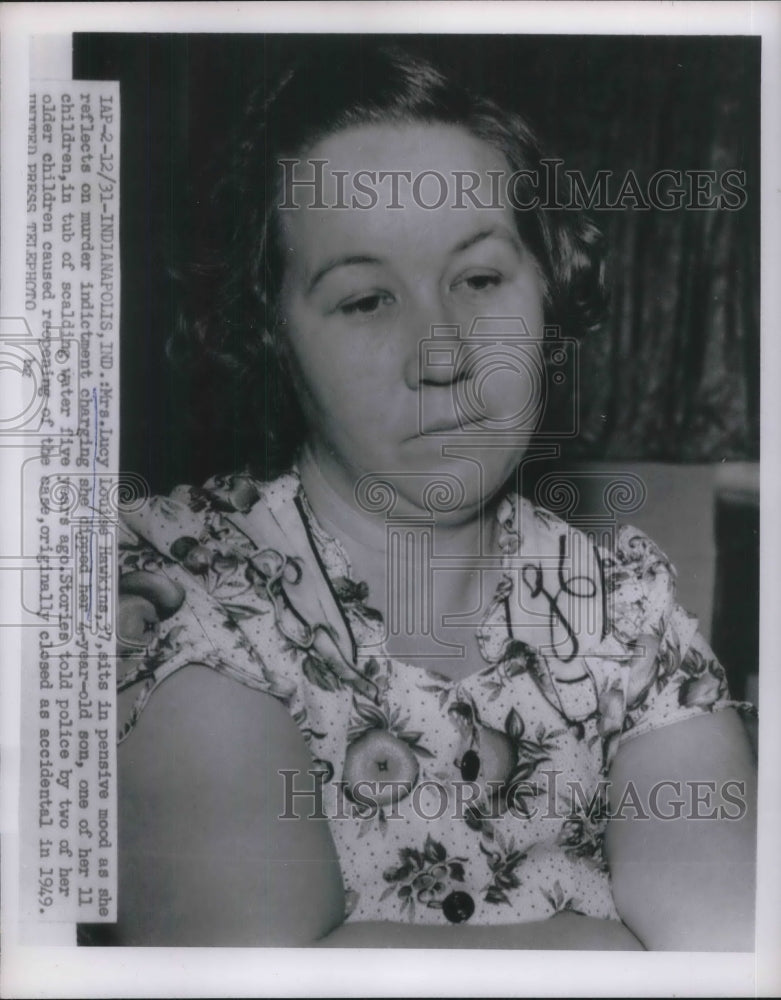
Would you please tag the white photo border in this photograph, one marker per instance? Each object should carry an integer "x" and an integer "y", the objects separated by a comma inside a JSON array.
[{"x": 60, "y": 969}]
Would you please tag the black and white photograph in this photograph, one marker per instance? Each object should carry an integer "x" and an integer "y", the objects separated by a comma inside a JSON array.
[{"x": 390, "y": 560}]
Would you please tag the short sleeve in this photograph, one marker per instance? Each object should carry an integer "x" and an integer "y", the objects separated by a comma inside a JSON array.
[
  {"x": 670, "y": 672},
  {"x": 188, "y": 594}
]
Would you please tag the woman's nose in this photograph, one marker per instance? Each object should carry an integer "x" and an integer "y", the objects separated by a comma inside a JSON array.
[{"x": 433, "y": 346}]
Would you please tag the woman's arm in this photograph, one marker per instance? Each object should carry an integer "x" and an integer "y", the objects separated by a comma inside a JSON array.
[
  {"x": 686, "y": 883},
  {"x": 204, "y": 858}
]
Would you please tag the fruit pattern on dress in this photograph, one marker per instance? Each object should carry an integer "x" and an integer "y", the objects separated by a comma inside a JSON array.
[{"x": 479, "y": 800}]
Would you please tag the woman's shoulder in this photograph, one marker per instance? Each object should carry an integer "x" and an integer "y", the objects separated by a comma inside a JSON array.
[
  {"x": 618, "y": 543},
  {"x": 193, "y": 588},
  {"x": 190, "y": 511},
  {"x": 624, "y": 570},
  {"x": 616, "y": 590}
]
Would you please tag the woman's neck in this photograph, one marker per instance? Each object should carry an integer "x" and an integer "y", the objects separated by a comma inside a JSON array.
[{"x": 412, "y": 577}]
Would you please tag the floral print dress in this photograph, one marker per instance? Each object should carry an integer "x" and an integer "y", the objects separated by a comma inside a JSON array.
[{"x": 480, "y": 800}]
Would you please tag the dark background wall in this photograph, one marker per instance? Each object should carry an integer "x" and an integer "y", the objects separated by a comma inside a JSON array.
[{"x": 673, "y": 375}]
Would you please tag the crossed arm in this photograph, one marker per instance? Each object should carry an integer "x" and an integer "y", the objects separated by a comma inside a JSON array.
[
  {"x": 681, "y": 850},
  {"x": 687, "y": 883},
  {"x": 204, "y": 860}
]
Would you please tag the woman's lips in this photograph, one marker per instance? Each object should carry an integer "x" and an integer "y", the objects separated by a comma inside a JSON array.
[{"x": 450, "y": 426}]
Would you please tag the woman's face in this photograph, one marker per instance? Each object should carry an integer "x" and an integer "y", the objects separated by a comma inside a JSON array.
[{"x": 364, "y": 289}]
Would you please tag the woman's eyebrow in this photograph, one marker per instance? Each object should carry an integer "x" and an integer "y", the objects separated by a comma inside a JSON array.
[
  {"x": 496, "y": 232},
  {"x": 344, "y": 261}
]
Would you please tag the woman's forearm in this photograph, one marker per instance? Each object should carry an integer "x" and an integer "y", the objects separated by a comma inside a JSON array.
[{"x": 565, "y": 931}]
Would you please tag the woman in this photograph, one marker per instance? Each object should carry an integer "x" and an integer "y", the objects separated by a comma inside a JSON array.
[{"x": 482, "y": 724}]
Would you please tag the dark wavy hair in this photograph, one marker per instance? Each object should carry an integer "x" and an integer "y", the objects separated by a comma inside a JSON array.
[{"x": 227, "y": 340}]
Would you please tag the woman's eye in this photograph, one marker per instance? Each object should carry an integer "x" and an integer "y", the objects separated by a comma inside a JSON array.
[
  {"x": 366, "y": 305},
  {"x": 481, "y": 282}
]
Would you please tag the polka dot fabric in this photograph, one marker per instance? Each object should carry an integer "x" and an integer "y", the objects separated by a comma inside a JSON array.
[{"x": 478, "y": 800}]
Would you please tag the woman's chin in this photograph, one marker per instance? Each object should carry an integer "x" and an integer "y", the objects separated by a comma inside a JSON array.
[
  {"x": 444, "y": 503},
  {"x": 453, "y": 487},
  {"x": 447, "y": 480}
]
